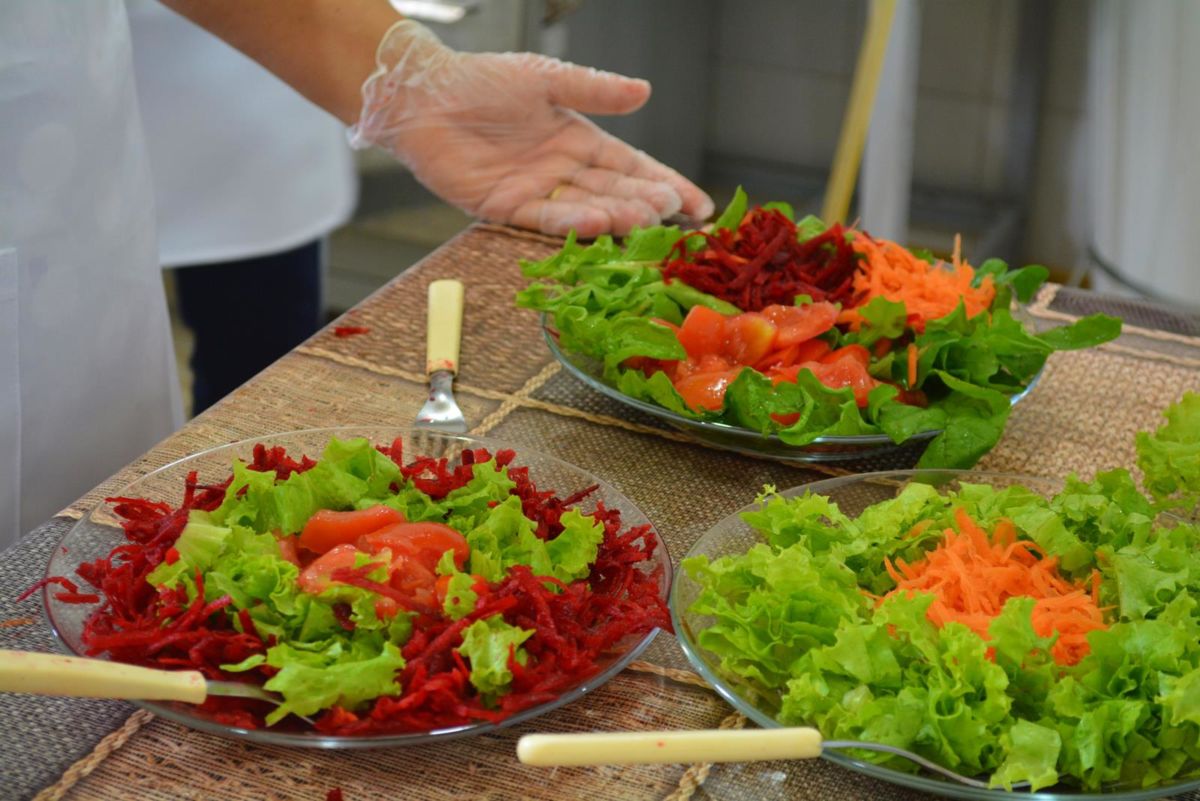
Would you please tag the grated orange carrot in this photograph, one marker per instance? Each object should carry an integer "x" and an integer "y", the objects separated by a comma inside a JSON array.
[
  {"x": 928, "y": 291},
  {"x": 912, "y": 365},
  {"x": 971, "y": 575}
]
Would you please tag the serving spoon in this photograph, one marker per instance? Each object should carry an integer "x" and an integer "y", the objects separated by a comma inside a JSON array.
[
  {"x": 56, "y": 674},
  {"x": 707, "y": 745}
]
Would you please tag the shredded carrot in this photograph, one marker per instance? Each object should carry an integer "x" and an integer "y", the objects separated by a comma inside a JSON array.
[
  {"x": 928, "y": 291},
  {"x": 912, "y": 365},
  {"x": 971, "y": 575}
]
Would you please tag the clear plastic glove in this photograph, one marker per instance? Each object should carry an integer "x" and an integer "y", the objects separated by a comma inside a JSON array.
[{"x": 502, "y": 136}]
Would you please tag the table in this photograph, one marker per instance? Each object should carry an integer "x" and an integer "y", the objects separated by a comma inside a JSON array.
[{"x": 1081, "y": 417}]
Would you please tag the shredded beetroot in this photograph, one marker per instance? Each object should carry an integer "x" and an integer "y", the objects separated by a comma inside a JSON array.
[
  {"x": 350, "y": 330},
  {"x": 577, "y": 626},
  {"x": 761, "y": 263},
  {"x": 71, "y": 596}
]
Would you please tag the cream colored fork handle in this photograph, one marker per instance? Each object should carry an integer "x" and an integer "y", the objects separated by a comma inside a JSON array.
[
  {"x": 444, "y": 327},
  {"x": 643, "y": 748},
  {"x": 52, "y": 674}
]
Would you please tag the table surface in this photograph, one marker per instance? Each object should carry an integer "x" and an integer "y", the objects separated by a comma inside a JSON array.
[{"x": 1081, "y": 417}]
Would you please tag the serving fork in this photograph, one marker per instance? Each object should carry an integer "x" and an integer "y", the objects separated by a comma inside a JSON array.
[
  {"x": 60, "y": 675},
  {"x": 711, "y": 745},
  {"x": 443, "y": 336}
]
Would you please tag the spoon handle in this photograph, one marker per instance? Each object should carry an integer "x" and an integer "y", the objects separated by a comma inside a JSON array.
[
  {"x": 54, "y": 674},
  {"x": 647, "y": 747}
]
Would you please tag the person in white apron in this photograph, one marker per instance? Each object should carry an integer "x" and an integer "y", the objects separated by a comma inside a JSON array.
[
  {"x": 87, "y": 378},
  {"x": 237, "y": 221},
  {"x": 87, "y": 372}
]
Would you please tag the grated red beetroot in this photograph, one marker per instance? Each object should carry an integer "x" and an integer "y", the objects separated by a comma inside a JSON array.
[
  {"x": 575, "y": 624},
  {"x": 761, "y": 263}
]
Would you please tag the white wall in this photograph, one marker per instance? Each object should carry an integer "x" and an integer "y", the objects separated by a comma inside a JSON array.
[{"x": 782, "y": 71}]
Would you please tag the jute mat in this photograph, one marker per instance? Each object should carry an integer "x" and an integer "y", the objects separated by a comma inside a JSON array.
[{"x": 1081, "y": 417}]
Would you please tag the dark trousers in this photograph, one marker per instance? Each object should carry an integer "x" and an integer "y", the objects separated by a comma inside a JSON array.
[{"x": 246, "y": 314}]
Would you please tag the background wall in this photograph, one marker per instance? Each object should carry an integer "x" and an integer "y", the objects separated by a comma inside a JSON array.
[{"x": 778, "y": 74}]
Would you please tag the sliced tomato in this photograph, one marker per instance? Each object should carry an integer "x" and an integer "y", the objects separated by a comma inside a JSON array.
[
  {"x": 846, "y": 371},
  {"x": 327, "y": 529},
  {"x": 795, "y": 324},
  {"x": 779, "y": 375},
  {"x": 287, "y": 549},
  {"x": 705, "y": 390},
  {"x": 777, "y": 358},
  {"x": 315, "y": 578},
  {"x": 748, "y": 337},
  {"x": 703, "y": 331},
  {"x": 786, "y": 419},
  {"x": 423, "y": 542},
  {"x": 414, "y": 581},
  {"x": 811, "y": 351},
  {"x": 856, "y": 352}
]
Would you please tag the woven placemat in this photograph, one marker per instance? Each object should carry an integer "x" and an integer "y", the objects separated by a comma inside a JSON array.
[{"x": 1081, "y": 417}]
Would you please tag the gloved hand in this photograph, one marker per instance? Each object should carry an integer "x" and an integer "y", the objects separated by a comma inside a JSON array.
[{"x": 502, "y": 136}]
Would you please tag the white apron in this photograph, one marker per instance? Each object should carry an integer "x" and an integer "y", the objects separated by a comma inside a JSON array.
[
  {"x": 243, "y": 165},
  {"x": 87, "y": 374}
]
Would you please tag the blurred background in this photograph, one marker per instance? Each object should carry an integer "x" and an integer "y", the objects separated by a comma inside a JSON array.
[{"x": 1043, "y": 131}]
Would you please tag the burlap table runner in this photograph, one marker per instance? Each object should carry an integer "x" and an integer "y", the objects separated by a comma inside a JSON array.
[{"x": 1081, "y": 417}]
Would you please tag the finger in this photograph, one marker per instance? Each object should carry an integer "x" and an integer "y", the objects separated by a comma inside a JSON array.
[
  {"x": 592, "y": 91},
  {"x": 659, "y": 195},
  {"x": 559, "y": 217},
  {"x": 624, "y": 214},
  {"x": 611, "y": 153}
]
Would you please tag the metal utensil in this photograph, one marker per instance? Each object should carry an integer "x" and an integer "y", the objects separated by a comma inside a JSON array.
[
  {"x": 710, "y": 745},
  {"x": 443, "y": 333},
  {"x": 54, "y": 674}
]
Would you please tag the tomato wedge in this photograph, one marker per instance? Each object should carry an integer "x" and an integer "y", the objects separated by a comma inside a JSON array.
[
  {"x": 288, "y": 550},
  {"x": 315, "y": 579},
  {"x": 748, "y": 337},
  {"x": 703, "y": 331},
  {"x": 795, "y": 324},
  {"x": 327, "y": 529},
  {"x": 705, "y": 390},
  {"x": 422, "y": 542},
  {"x": 415, "y": 582},
  {"x": 856, "y": 352},
  {"x": 846, "y": 371}
]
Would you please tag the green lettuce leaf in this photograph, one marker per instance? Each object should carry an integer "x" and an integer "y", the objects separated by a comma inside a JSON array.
[
  {"x": 487, "y": 646},
  {"x": 460, "y": 592},
  {"x": 1170, "y": 457},
  {"x": 506, "y": 538},
  {"x": 344, "y": 673}
]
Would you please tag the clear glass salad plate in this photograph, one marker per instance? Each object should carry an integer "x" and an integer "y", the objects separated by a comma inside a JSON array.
[
  {"x": 853, "y": 494},
  {"x": 99, "y": 532},
  {"x": 734, "y": 438}
]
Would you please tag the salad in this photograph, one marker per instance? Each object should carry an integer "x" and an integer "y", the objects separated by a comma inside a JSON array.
[
  {"x": 375, "y": 594},
  {"x": 995, "y": 631},
  {"x": 804, "y": 330}
]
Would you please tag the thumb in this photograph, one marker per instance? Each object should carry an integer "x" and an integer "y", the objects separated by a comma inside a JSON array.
[{"x": 592, "y": 91}]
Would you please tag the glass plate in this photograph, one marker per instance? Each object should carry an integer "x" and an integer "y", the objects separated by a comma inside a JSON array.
[
  {"x": 734, "y": 438},
  {"x": 853, "y": 494},
  {"x": 99, "y": 532}
]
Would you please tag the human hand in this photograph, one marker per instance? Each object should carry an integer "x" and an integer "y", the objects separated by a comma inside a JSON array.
[{"x": 502, "y": 136}]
